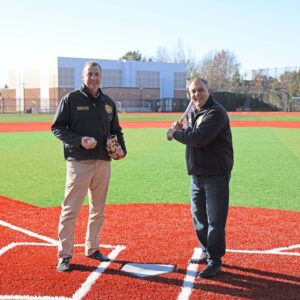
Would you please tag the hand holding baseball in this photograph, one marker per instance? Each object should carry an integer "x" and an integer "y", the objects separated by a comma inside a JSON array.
[{"x": 88, "y": 142}]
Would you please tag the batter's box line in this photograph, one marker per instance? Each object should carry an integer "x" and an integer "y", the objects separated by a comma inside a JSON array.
[
  {"x": 84, "y": 288},
  {"x": 50, "y": 241},
  {"x": 15, "y": 244},
  {"x": 29, "y": 233},
  {"x": 191, "y": 271},
  {"x": 275, "y": 251}
]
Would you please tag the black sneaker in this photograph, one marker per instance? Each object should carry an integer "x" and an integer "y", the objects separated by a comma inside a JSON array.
[
  {"x": 199, "y": 261},
  {"x": 63, "y": 264},
  {"x": 99, "y": 256},
  {"x": 211, "y": 270}
]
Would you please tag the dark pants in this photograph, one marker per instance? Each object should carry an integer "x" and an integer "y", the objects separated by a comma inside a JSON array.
[{"x": 209, "y": 205}]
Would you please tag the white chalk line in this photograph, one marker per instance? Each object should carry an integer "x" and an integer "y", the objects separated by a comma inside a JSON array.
[
  {"x": 274, "y": 251},
  {"x": 191, "y": 273},
  {"x": 187, "y": 287},
  {"x": 188, "y": 282},
  {"x": 29, "y": 233},
  {"x": 84, "y": 288}
]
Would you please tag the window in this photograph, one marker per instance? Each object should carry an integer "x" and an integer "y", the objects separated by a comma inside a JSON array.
[
  {"x": 148, "y": 79},
  {"x": 66, "y": 77},
  {"x": 179, "y": 81},
  {"x": 111, "y": 78}
]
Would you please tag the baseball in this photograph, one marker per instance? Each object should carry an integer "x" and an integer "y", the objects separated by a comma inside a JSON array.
[{"x": 91, "y": 140}]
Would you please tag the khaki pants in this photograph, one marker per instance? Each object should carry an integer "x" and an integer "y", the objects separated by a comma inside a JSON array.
[{"x": 83, "y": 176}]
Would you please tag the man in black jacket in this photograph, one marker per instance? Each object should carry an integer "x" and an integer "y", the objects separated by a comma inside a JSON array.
[
  {"x": 209, "y": 157},
  {"x": 83, "y": 121}
]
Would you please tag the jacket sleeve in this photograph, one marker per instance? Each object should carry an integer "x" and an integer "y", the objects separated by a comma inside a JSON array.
[
  {"x": 60, "y": 125},
  {"x": 116, "y": 129},
  {"x": 205, "y": 133}
]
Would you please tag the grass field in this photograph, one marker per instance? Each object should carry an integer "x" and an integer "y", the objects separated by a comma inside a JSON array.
[
  {"x": 157, "y": 117},
  {"x": 266, "y": 171}
]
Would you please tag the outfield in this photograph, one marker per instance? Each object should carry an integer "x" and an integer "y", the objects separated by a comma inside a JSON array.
[{"x": 266, "y": 171}]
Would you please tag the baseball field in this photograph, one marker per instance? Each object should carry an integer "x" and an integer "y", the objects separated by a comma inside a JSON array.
[{"x": 148, "y": 229}]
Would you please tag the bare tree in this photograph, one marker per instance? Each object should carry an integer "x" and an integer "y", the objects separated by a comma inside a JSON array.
[
  {"x": 180, "y": 54},
  {"x": 219, "y": 69},
  {"x": 162, "y": 55}
]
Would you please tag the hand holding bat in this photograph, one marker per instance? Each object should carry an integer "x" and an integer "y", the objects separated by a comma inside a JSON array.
[{"x": 178, "y": 124}]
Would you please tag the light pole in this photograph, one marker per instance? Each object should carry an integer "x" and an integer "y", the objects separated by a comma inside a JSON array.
[{"x": 141, "y": 96}]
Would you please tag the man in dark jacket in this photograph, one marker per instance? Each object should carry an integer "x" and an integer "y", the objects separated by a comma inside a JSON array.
[
  {"x": 209, "y": 157},
  {"x": 83, "y": 121}
]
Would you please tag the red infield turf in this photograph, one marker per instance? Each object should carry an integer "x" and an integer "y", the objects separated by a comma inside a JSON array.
[
  {"x": 45, "y": 126},
  {"x": 262, "y": 260}
]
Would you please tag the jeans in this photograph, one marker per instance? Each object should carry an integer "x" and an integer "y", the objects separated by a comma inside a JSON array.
[{"x": 209, "y": 206}]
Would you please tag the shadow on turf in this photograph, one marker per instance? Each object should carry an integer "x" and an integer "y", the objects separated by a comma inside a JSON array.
[
  {"x": 248, "y": 282},
  {"x": 252, "y": 283}
]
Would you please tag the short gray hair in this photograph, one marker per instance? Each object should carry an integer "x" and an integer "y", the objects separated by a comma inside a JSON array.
[
  {"x": 91, "y": 64},
  {"x": 197, "y": 79}
]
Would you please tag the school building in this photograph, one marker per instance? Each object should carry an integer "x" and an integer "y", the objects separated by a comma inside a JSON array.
[{"x": 134, "y": 85}]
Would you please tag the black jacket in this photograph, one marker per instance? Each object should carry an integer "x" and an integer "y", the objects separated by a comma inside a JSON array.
[
  {"x": 208, "y": 139},
  {"x": 78, "y": 115}
]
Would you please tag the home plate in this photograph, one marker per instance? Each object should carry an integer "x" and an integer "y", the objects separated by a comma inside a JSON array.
[{"x": 147, "y": 270}]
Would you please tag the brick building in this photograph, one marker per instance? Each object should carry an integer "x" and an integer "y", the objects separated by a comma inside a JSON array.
[{"x": 134, "y": 85}]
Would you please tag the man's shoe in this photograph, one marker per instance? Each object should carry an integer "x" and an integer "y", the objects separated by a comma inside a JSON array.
[
  {"x": 63, "y": 264},
  {"x": 199, "y": 261},
  {"x": 99, "y": 256},
  {"x": 211, "y": 270}
]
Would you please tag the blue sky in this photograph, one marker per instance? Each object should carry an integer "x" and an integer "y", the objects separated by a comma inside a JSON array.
[{"x": 261, "y": 33}]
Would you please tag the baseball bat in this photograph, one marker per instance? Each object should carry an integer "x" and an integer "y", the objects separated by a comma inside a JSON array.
[
  {"x": 182, "y": 118},
  {"x": 185, "y": 112}
]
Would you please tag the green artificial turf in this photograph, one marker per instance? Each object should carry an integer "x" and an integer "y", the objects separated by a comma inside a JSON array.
[
  {"x": 266, "y": 171},
  {"x": 271, "y": 117},
  {"x": 135, "y": 117}
]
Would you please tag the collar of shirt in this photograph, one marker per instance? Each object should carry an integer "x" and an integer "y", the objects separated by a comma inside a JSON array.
[{"x": 84, "y": 90}]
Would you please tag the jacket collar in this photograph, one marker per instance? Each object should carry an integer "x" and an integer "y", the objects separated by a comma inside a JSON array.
[{"x": 84, "y": 91}]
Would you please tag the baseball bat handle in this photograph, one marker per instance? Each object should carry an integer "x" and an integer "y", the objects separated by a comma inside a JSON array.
[{"x": 185, "y": 112}]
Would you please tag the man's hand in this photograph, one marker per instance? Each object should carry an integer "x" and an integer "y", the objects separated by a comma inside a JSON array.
[
  {"x": 88, "y": 142},
  {"x": 170, "y": 134},
  {"x": 177, "y": 125}
]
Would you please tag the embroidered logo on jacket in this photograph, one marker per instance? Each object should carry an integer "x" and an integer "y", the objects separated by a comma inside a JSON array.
[
  {"x": 199, "y": 120},
  {"x": 108, "y": 108},
  {"x": 83, "y": 108}
]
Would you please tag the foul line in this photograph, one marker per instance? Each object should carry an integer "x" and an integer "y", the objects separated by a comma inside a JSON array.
[{"x": 29, "y": 233}]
